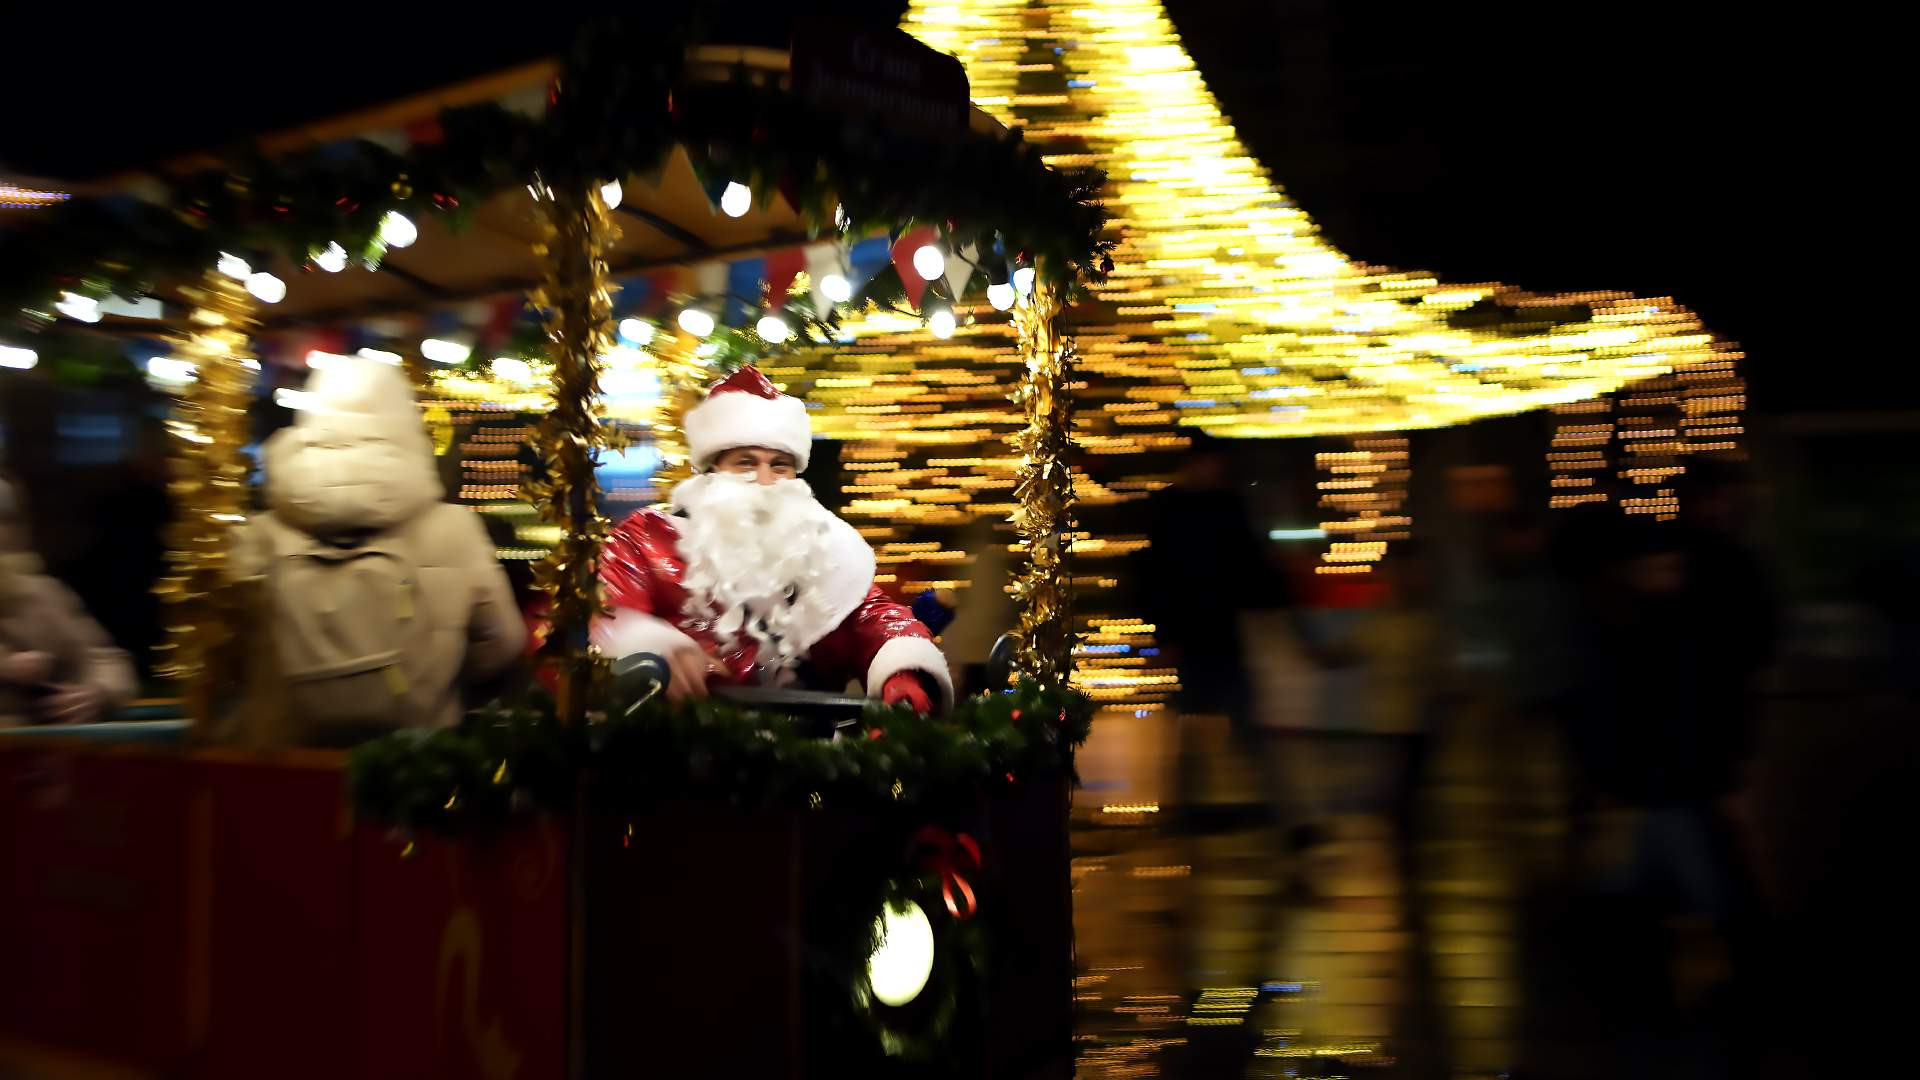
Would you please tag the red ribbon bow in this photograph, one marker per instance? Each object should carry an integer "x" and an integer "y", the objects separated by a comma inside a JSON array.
[{"x": 948, "y": 854}]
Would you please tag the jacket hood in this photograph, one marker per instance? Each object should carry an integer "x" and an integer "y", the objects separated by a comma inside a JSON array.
[{"x": 356, "y": 458}]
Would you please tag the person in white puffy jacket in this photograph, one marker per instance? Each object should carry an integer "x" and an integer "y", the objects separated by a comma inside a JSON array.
[{"x": 357, "y": 469}]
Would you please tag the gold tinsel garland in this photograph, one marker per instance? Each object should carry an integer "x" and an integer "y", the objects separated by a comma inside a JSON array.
[
  {"x": 1043, "y": 491},
  {"x": 209, "y": 428},
  {"x": 576, "y": 297},
  {"x": 682, "y": 382}
]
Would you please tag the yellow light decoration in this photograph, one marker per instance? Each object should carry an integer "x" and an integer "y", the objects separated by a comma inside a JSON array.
[
  {"x": 209, "y": 429},
  {"x": 1367, "y": 486},
  {"x": 20, "y": 197},
  {"x": 1644, "y": 435},
  {"x": 1223, "y": 288}
]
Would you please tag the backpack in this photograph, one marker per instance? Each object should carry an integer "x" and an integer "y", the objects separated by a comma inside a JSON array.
[{"x": 345, "y": 622}]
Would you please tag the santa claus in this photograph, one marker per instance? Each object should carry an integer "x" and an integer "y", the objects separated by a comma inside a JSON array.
[{"x": 750, "y": 581}]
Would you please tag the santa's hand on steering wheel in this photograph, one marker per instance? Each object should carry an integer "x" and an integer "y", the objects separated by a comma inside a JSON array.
[
  {"x": 907, "y": 689},
  {"x": 690, "y": 667}
]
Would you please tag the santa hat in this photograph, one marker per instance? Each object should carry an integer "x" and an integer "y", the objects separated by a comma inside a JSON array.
[
  {"x": 744, "y": 409},
  {"x": 363, "y": 397}
]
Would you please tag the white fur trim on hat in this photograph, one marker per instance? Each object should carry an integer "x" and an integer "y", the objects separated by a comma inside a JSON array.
[
  {"x": 915, "y": 654},
  {"x": 627, "y": 631},
  {"x": 729, "y": 421}
]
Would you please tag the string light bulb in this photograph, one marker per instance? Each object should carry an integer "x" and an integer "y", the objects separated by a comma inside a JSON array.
[
  {"x": 19, "y": 359},
  {"x": 900, "y": 965},
  {"x": 1023, "y": 280},
  {"x": 941, "y": 323},
  {"x": 78, "y": 308},
  {"x": 736, "y": 200},
  {"x": 636, "y": 331},
  {"x": 1000, "y": 295},
  {"x": 332, "y": 258},
  {"x": 773, "y": 329},
  {"x": 442, "y": 351},
  {"x": 170, "y": 370},
  {"x": 695, "y": 321},
  {"x": 611, "y": 194},
  {"x": 233, "y": 266},
  {"x": 836, "y": 288},
  {"x": 929, "y": 261},
  {"x": 397, "y": 230},
  {"x": 266, "y": 288},
  {"x": 514, "y": 370}
]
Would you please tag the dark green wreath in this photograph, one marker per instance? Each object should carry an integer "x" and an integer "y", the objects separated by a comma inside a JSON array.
[
  {"x": 509, "y": 758},
  {"x": 619, "y": 107},
  {"x": 920, "y": 1035}
]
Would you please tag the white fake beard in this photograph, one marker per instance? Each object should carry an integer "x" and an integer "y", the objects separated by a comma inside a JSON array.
[{"x": 756, "y": 560}]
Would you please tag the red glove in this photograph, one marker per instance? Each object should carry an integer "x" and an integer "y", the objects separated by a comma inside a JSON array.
[{"x": 905, "y": 688}]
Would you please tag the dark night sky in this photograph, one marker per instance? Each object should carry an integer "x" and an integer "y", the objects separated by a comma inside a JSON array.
[{"x": 1664, "y": 148}]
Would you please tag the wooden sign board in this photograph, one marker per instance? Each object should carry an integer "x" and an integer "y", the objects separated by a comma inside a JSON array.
[{"x": 880, "y": 73}]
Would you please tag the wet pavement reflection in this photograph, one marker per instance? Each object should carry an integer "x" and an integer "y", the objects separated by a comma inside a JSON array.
[{"x": 1210, "y": 946}]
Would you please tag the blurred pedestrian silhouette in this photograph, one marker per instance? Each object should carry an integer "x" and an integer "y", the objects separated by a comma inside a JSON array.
[
  {"x": 1397, "y": 646},
  {"x": 1665, "y": 665},
  {"x": 1203, "y": 569},
  {"x": 56, "y": 664}
]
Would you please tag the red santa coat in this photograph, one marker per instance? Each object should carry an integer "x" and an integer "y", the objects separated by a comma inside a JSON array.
[{"x": 869, "y": 638}]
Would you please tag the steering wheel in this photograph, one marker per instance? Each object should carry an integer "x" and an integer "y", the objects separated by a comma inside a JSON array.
[
  {"x": 1000, "y": 663},
  {"x": 781, "y": 699}
]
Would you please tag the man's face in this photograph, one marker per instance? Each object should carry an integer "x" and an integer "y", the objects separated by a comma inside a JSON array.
[{"x": 764, "y": 465}]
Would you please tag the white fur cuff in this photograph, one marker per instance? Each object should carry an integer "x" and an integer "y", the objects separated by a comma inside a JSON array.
[
  {"x": 627, "y": 631},
  {"x": 915, "y": 654}
]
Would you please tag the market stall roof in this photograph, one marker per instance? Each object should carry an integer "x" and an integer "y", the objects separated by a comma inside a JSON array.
[
  {"x": 667, "y": 219},
  {"x": 674, "y": 125}
]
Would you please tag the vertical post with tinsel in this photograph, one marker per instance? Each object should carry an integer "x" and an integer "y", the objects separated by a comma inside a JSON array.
[
  {"x": 210, "y": 427},
  {"x": 418, "y": 371},
  {"x": 682, "y": 380},
  {"x": 576, "y": 297},
  {"x": 1043, "y": 490}
]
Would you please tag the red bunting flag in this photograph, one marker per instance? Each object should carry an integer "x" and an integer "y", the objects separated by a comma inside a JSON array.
[
  {"x": 911, "y": 241},
  {"x": 426, "y": 132},
  {"x": 667, "y": 285},
  {"x": 782, "y": 266}
]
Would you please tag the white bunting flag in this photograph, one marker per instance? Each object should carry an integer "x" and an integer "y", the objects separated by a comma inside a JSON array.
[
  {"x": 710, "y": 279},
  {"x": 823, "y": 260},
  {"x": 960, "y": 267}
]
